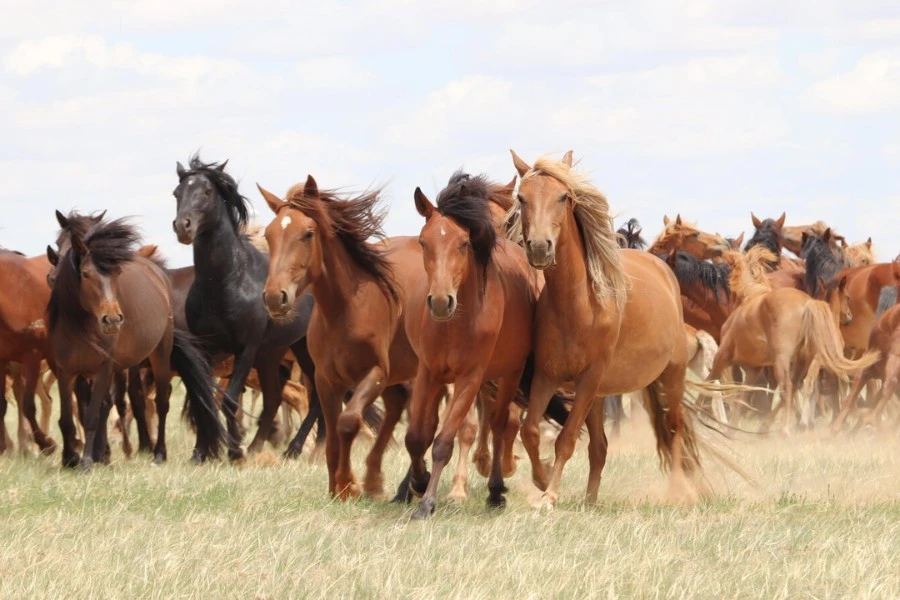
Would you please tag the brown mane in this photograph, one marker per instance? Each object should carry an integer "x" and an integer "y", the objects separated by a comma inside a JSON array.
[{"x": 352, "y": 221}]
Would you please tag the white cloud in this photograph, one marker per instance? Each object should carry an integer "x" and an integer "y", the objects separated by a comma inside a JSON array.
[
  {"x": 332, "y": 73},
  {"x": 873, "y": 85}
]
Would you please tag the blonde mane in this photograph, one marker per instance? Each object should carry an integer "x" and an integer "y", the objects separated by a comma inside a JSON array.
[
  {"x": 256, "y": 235},
  {"x": 748, "y": 271},
  {"x": 601, "y": 242}
]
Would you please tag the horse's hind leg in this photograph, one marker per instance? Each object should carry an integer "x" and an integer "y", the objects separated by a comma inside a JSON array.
[
  {"x": 5, "y": 442},
  {"x": 482, "y": 456},
  {"x": 91, "y": 416},
  {"x": 43, "y": 391},
  {"x": 137, "y": 395},
  {"x": 270, "y": 379},
  {"x": 597, "y": 447},
  {"x": 888, "y": 387},
  {"x": 849, "y": 403},
  {"x": 614, "y": 404},
  {"x": 466, "y": 436},
  {"x": 395, "y": 398},
  {"x": 120, "y": 384},
  {"x": 513, "y": 423},
  {"x": 160, "y": 366},
  {"x": 31, "y": 372}
]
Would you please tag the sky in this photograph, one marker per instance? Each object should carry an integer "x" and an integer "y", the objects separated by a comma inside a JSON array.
[{"x": 704, "y": 108}]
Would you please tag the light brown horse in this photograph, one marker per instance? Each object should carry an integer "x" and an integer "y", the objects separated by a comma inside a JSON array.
[
  {"x": 109, "y": 310},
  {"x": 318, "y": 240},
  {"x": 781, "y": 328},
  {"x": 864, "y": 285},
  {"x": 469, "y": 322},
  {"x": 608, "y": 319},
  {"x": 681, "y": 235},
  {"x": 885, "y": 338},
  {"x": 24, "y": 294}
]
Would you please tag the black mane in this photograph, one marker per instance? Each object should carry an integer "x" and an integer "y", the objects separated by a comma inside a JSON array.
[
  {"x": 631, "y": 235},
  {"x": 465, "y": 200},
  {"x": 820, "y": 263},
  {"x": 767, "y": 235},
  {"x": 690, "y": 270},
  {"x": 237, "y": 205}
]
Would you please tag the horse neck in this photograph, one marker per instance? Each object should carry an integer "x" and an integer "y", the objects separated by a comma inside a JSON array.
[
  {"x": 219, "y": 252},
  {"x": 568, "y": 280},
  {"x": 471, "y": 292},
  {"x": 338, "y": 278}
]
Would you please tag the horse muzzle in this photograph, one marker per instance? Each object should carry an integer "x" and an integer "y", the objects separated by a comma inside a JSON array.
[
  {"x": 442, "y": 307},
  {"x": 184, "y": 228},
  {"x": 111, "y": 324},
  {"x": 540, "y": 253},
  {"x": 278, "y": 303}
]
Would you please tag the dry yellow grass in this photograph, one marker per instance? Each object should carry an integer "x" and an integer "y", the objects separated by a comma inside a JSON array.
[{"x": 823, "y": 521}]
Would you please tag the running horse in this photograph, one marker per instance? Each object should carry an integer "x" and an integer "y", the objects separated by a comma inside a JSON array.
[
  {"x": 223, "y": 307},
  {"x": 608, "y": 319},
  {"x": 319, "y": 240},
  {"x": 109, "y": 310},
  {"x": 469, "y": 321}
]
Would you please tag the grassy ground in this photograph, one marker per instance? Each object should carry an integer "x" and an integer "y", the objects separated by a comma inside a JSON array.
[{"x": 823, "y": 520}]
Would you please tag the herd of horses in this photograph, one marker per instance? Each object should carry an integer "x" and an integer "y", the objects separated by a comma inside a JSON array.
[{"x": 518, "y": 298}]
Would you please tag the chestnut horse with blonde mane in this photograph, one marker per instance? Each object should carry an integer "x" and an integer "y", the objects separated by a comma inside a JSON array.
[
  {"x": 319, "y": 240},
  {"x": 469, "y": 322},
  {"x": 608, "y": 319}
]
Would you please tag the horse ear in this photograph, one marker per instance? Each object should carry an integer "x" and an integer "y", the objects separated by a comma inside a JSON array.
[
  {"x": 567, "y": 159},
  {"x": 756, "y": 222},
  {"x": 803, "y": 238},
  {"x": 511, "y": 185},
  {"x": 52, "y": 256},
  {"x": 826, "y": 237},
  {"x": 869, "y": 243},
  {"x": 678, "y": 219},
  {"x": 423, "y": 204},
  {"x": 310, "y": 189},
  {"x": 99, "y": 217},
  {"x": 62, "y": 220},
  {"x": 666, "y": 220},
  {"x": 842, "y": 283},
  {"x": 271, "y": 199},
  {"x": 739, "y": 240},
  {"x": 179, "y": 169},
  {"x": 780, "y": 222},
  {"x": 222, "y": 166},
  {"x": 521, "y": 166},
  {"x": 78, "y": 245}
]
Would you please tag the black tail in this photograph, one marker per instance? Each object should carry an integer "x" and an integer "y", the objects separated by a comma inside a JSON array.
[
  {"x": 200, "y": 400},
  {"x": 886, "y": 299},
  {"x": 557, "y": 410}
]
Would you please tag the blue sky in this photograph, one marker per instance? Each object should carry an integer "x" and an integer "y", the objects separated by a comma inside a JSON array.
[{"x": 706, "y": 108}]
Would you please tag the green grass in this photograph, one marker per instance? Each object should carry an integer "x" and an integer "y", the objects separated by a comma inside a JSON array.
[{"x": 823, "y": 520}]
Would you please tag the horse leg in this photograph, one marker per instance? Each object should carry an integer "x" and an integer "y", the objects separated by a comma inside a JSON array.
[
  {"x": 585, "y": 395},
  {"x": 465, "y": 438},
  {"x": 597, "y": 446},
  {"x": 614, "y": 404},
  {"x": 25, "y": 436},
  {"x": 138, "y": 397},
  {"x": 45, "y": 380},
  {"x": 31, "y": 373},
  {"x": 120, "y": 383},
  {"x": 482, "y": 456},
  {"x": 243, "y": 362},
  {"x": 513, "y": 424},
  {"x": 102, "y": 452},
  {"x": 850, "y": 401},
  {"x": 888, "y": 387},
  {"x": 501, "y": 427},
  {"x": 423, "y": 422},
  {"x": 267, "y": 365},
  {"x": 314, "y": 410},
  {"x": 160, "y": 367},
  {"x": 348, "y": 425},
  {"x": 70, "y": 457},
  {"x": 542, "y": 390},
  {"x": 782, "y": 372},
  {"x": 5, "y": 442},
  {"x": 91, "y": 415},
  {"x": 464, "y": 391},
  {"x": 395, "y": 398}
]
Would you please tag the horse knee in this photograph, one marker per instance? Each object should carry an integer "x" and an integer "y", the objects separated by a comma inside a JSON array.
[
  {"x": 348, "y": 424},
  {"x": 442, "y": 450},
  {"x": 416, "y": 444},
  {"x": 531, "y": 434}
]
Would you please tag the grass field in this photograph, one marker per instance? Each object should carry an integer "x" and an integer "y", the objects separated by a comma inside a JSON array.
[{"x": 822, "y": 520}]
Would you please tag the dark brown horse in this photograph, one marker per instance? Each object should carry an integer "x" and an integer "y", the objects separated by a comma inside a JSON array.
[{"x": 109, "y": 310}]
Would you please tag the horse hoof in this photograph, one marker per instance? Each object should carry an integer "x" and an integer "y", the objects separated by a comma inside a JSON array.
[
  {"x": 197, "y": 457},
  {"x": 70, "y": 461},
  {"x": 292, "y": 453},
  {"x": 159, "y": 459},
  {"x": 496, "y": 501},
  {"x": 417, "y": 488},
  {"x": 86, "y": 464},
  {"x": 425, "y": 510},
  {"x": 457, "y": 495},
  {"x": 236, "y": 455},
  {"x": 49, "y": 448}
]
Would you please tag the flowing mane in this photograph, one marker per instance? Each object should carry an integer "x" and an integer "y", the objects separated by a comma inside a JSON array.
[
  {"x": 111, "y": 245},
  {"x": 599, "y": 236},
  {"x": 630, "y": 235},
  {"x": 237, "y": 205},
  {"x": 748, "y": 271},
  {"x": 690, "y": 270},
  {"x": 465, "y": 200},
  {"x": 820, "y": 262},
  {"x": 352, "y": 221},
  {"x": 256, "y": 235}
]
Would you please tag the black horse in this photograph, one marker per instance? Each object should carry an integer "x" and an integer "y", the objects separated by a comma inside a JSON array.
[{"x": 224, "y": 307}]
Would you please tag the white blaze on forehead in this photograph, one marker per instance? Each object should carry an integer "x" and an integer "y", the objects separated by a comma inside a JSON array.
[
  {"x": 285, "y": 221},
  {"x": 443, "y": 231},
  {"x": 190, "y": 181}
]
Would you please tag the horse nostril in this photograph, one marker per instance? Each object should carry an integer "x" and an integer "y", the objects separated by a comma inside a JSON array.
[
  {"x": 428, "y": 301},
  {"x": 451, "y": 302},
  {"x": 120, "y": 318},
  {"x": 284, "y": 298},
  {"x": 105, "y": 319},
  {"x": 187, "y": 223},
  {"x": 528, "y": 243},
  {"x": 175, "y": 226},
  {"x": 549, "y": 245}
]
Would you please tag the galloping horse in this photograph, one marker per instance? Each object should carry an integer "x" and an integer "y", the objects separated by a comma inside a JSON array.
[
  {"x": 608, "y": 319},
  {"x": 24, "y": 294},
  {"x": 109, "y": 310},
  {"x": 469, "y": 322},
  {"x": 318, "y": 240},
  {"x": 223, "y": 306}
]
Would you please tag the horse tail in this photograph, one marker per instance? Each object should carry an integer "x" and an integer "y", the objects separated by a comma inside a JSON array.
[
  {"x": 886, "y": 299},
  {"x": 200, "y": 399},
  {"x": 667, "y": 421},
  {"x": 824, "y": 339},
  {"x": 557, "y": 409},
  {"x": 708, "y": 349}
]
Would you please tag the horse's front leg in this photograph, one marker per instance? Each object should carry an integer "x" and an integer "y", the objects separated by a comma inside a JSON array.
[
  {"x": 268, "y": 368},
  {"x": 464, "y": 391},
  {"x": 349, "y": 423},
  {"x": 423, "y": 422},
  {"x": 542, "y": 389},
  {"x": 91, "y": 416},
  {"x": 243, "y": 362}
]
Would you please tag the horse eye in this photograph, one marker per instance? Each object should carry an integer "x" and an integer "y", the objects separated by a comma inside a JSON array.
[
  {"x": 465, "y": 245},
  {"x": 85, "y": 275},
  {"x": 564, "y": 197},
  {"x": 207, "y": 192},
  {"x": 308, "y": 235},
  {"x": 520, "y": 198}
]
